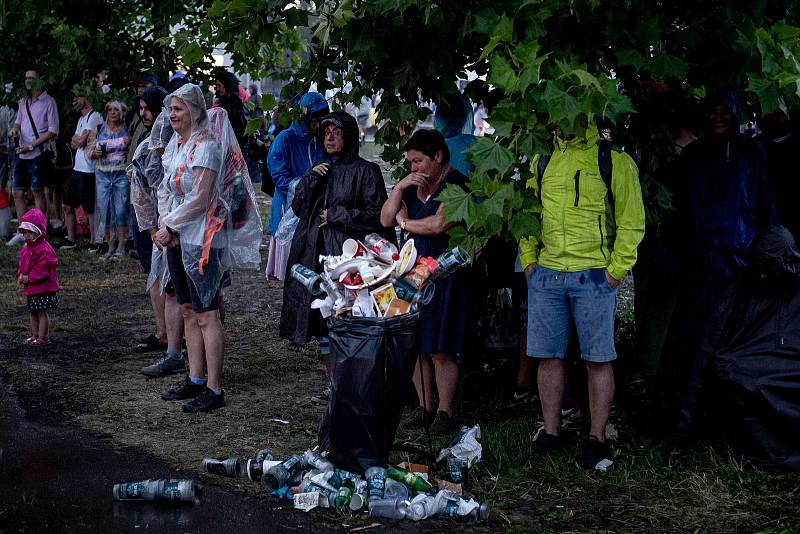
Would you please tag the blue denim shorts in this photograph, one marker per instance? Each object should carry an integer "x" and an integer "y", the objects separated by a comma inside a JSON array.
[
  {"x": 26, "y": 175},
  {"x": 555, "y": 299}
]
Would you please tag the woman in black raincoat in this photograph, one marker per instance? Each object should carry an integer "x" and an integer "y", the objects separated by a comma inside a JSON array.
[{"x": 338, "y": 199}]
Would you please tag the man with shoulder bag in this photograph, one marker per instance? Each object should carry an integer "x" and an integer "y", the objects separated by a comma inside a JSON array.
[{"x": 35, "y": 128}]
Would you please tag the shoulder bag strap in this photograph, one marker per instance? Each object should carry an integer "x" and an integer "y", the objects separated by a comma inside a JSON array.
[{"x": 30, "y": 117}]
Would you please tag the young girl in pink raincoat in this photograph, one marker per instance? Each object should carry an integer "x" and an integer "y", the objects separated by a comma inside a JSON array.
[{"x": 37, "y": 275}]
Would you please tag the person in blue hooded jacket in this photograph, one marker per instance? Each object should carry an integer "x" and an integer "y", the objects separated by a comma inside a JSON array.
[
  {"x": 453, "y": 119},
  {"x": 725, "y": 203},
  {"x": 292, "y": 153}
]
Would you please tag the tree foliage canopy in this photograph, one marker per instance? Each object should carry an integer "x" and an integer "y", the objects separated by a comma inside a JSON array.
[{"x": 539, "y": 62}]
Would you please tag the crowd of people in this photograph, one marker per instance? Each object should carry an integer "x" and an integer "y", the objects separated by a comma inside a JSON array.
[{"x": 175, "y": 175}]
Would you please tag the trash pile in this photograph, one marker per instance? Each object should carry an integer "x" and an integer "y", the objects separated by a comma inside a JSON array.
[
  {"x": 396, "y": 492},
  {"x": 373, "y": 279}
]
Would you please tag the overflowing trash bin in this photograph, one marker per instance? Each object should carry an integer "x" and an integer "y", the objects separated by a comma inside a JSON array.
[{"x": 372, "y": 363}]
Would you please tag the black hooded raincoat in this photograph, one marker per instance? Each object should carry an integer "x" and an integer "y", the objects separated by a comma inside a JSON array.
[{"x": 353, "y": 192}]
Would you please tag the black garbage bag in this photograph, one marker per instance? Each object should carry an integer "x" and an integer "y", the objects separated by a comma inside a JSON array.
[
  {"x": 746, "y": 380},
  {"x": 373, "y": 361}
]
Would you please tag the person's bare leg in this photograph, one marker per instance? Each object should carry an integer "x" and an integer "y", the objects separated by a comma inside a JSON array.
[
  {"x": 157, "y": 301},
  {"x": 601, "y": 396},
  {"x": 194, "y": 342},
  {"x": 214, "y": 343},
  {"x": 550, "y": 379},
  {"x": 446, "y": 369},
  {"x": 56, "y": 205},
  {"x": 525, "y": 365},
  {"x": 34, "y": 324},
  {"x": 20, "y": 203},
  {"x": 92, "y": 227},
  {"x": 44, "y": 325},
  {"x": 173, "y": 318},
  {"x": 122, "y": 238},
  {"x": 425, "y": 388},
  {"x": 40, "y": 199}
]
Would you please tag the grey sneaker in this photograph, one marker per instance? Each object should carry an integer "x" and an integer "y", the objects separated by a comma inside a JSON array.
[
  {"x": 166, "y": 365},
  {"x": 321, "y": 399}
]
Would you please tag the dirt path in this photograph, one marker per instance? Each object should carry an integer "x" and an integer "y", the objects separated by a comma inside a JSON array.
[{"x": 90, "y": 379}]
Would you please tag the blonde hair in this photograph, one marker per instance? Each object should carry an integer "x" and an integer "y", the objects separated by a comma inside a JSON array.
[{"x": 119, "y": 105}]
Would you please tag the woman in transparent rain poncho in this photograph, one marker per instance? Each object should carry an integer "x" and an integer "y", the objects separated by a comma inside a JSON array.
[
  {"x": 146, "y": 173},
  {"x": 208, "y": 224}
]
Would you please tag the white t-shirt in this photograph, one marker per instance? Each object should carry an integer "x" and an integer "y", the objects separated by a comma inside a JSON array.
[{"x": 90, "y": 122}]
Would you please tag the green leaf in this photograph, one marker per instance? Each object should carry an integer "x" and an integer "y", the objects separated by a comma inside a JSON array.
[
  {"x": 767, "y": 92},
  {"x": 217, "y": 9},
  {"x": 524, "y": 225},
  {"x": 502, "y": 74},
  {"x": 503, "y": 117},
  {"x": 253, "y": 125},
  {"x": 488, "y": 155},
  {"x": 503, "y": 33},
  {"x": 459, "y": 206},
  {"x": 584, "y": 78},
  {"x": 192, "y": 54},
  {"x": 630, "y": 57}
]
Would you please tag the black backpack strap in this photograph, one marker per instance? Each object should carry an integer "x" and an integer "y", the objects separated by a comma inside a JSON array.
[
  {"x": 605, "y": 166},
  {"x": 541, "y": 166},
  {"x": 30, "y": 117}
]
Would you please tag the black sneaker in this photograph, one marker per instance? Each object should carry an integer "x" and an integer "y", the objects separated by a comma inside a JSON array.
[
  {"x": 547, "y": 443},
  {"x": 206, "y": 401},
  {"x": 418, "y": 418},
  {"x": 443, "y": 424},
  {"x": 595, "y": 455},
  {"x": 184, "y": 389},
  {"x": 68, "y": 245},
  {"x": 92, "y": 248},
  {"x": 166, "y": 365},
  {"x": 321, "y": 399}
]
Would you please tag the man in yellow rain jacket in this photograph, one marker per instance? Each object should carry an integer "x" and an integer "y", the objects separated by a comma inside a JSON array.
[{"x": 588, "y": 243}]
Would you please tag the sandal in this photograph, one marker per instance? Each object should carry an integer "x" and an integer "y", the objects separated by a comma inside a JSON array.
[
  {"x": 30, "y": 340},
  {"x": 149, "y": 344},
  {"x": 39, "y": 342}
]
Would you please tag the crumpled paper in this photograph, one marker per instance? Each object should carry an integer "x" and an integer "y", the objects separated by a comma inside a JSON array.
[{"x": 466, "y": 447}]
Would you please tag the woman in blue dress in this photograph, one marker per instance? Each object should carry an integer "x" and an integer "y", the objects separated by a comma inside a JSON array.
[{"x": 413, "y": 206}]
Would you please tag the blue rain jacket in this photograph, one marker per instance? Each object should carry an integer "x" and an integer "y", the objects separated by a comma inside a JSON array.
[
  {"x": 729, "y": 202},
  {"x": 454, "y": 121},
  {"x": 293, "y": 152}
]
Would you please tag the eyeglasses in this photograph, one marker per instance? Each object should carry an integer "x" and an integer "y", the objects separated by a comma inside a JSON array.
[{"x": 333, "y": 132}]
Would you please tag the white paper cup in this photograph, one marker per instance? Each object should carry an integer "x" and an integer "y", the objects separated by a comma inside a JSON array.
[{"x": 349, "y": 248}]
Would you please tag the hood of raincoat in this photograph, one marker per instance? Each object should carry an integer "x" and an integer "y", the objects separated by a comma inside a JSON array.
[
  {"x": 192, "y": 96},
  {"x": 349, "y": 128},
  {"x": 775, "y": 253},
  {"x": 162, "y": 131},
  {"x": 35, "y": 221},
  {"x": 315, "y": 107},
  {"x": 728, "y": 98},
  {"x": 154, "y": 98},
  {"x": 453, "y": 116}
]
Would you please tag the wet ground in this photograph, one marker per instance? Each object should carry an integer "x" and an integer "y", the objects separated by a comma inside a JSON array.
[{"x": 60, "y": 479}]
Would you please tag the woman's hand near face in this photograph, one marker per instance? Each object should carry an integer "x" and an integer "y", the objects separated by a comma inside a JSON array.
[{"x": 413, "y": 179}]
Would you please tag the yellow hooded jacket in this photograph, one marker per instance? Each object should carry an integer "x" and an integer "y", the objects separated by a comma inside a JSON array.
[{"x": 580, "y": 230}]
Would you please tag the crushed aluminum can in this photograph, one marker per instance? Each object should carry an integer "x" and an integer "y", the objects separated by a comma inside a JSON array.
[{"x": 230, "y": 467}]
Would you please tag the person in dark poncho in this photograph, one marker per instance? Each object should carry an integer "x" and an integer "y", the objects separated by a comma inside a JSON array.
[
  {"x": 745, "y": 384},
  {"x": 335, "y": 200},
  {"x": 226, "y": 86}
]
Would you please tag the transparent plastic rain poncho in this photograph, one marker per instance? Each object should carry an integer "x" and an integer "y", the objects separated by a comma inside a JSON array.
[
  {"x": 207, "y": 197},
  {"x": 289, "y": 221},
  {"x": 147, "y": 172}
]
